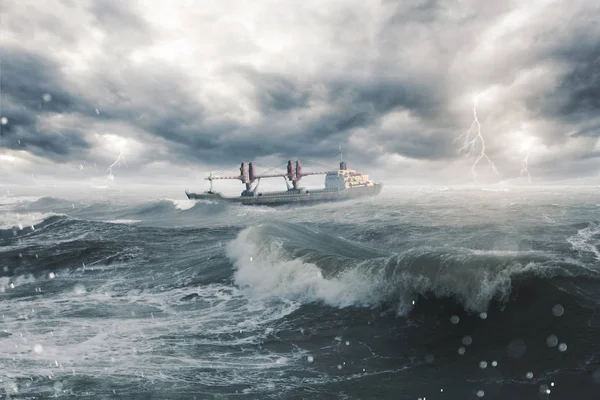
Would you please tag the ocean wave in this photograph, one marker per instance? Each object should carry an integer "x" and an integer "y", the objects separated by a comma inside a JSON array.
[
  {"x": 47, "y": 201},
  {"x": 12, "y": 200},
  {"x": 28, "y": 221},
  {"x": 110, "y": 210},
  {"x": 289, "y": 261}
]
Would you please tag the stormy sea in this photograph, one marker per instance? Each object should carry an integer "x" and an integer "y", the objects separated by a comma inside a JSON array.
[{"x": 424, "y": 292}]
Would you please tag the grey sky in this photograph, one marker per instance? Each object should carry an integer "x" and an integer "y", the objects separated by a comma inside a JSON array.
[{"x": 182, "y": 87}]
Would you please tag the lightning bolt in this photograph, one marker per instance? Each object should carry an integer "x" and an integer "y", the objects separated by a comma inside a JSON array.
[
  {"x": 524, "y": 167},
  {"x": 117, "y": 162},
  {"x": 471, "y": 137}
]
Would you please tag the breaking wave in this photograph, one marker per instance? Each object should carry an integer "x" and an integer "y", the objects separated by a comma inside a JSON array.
[{"x": 294, "y": 262}]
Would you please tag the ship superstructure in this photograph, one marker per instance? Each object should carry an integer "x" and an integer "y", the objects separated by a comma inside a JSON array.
[{"x": 340, "y": 184}]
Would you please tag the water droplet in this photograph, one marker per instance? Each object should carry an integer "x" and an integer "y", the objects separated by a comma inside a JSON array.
[
  {"x": 558, "y": 310},
  {"x": 483, "y": 364},
  {"x": 483, "y": 315},
  {"x": 551, "y": 340},
  {"x": 461, "y": 350},
  {"x": 480, "y": 393},
  {"x": 4, "y": 120},
  {"x": 12, "y": 285},
  {"x": 339, "y": 366},
  {"x": 562, "y": 347},
  {"x": 347, "y": 343},
  {"x": 596, "y": 376},
  {"x": 38, "y": 348},
  {"x": 454, "y": 319},
  {"x": 47, "y": 97},
  {"x": 516, "y": 348},
  {"x": 79, "y": 289},
  {"x": 310, "y": 359},
  {"x": 529, "y": 375},
  {"x": 467, "y": 340},
  {"x": 51, "y": 275},
  {"x": 494, "y": 363}
]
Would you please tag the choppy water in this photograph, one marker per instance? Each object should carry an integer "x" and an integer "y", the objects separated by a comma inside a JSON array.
[{"x": 418, "y": 293}]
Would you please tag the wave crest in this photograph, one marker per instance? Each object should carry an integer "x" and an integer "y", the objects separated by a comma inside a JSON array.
[{"x": 294, "y": 262}]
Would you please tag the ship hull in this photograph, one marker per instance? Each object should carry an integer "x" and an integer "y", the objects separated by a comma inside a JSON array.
[{"x": 306, "y": 197}]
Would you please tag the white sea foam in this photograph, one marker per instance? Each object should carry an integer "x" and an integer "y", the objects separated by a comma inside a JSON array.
[
  {"x": 265, "y": 272},
  {"x": 22, "y": 221},
  {"x": 136, "y": 324},
  {"x": 495, "y": 190},
  {"x": 183, "y": 205},
  {"x": 9, "y": 283},
  {"x": 122, "y": 221},
  {"x": 587, "y": 240}
]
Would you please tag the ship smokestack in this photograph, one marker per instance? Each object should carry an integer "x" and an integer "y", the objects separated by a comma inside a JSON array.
[
  {"x": 250, "y": 176},
  {"x": 244, "y": 173},
  {"x": 251, "y": 172},
  {"x": 298, "y": 175},
  {"x": 298, "y": 170},
  {"x": 343, "y": 165},
  {"x": 290, "y": 171}
]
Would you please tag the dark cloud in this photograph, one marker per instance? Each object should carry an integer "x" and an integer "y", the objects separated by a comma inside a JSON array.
[
  {"x": 582, "y": 86},
  {"x": 27, "y": 77},
  {"x": 590, "y": 131},
  {"x": 33, "y": 87},
  {"x": 273, "y": 92},
  {"x": 419, "y": 145},
  {"x": 227, "y": 90}
]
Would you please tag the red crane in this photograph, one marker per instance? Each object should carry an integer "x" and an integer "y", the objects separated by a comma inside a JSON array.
[{"x": 248, "y": 175}]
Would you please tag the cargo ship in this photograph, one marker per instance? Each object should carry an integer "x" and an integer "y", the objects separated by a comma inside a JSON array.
[{"x": 340, "y": 184}]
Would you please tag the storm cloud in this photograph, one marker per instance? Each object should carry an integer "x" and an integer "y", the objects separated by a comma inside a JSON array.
[{"x": 187, "y": 86}]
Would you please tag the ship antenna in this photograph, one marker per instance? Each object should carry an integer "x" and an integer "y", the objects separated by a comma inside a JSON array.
[{"x": 210, "y": 180}]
